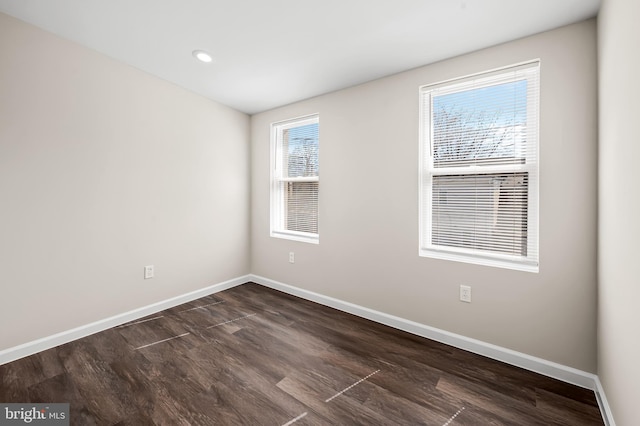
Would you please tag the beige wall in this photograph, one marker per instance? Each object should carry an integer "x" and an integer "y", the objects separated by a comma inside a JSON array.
[
  {"x": 368, "y": 251},
  {"x": 619, "y": 208},
  {"x": 105, "y": 169}
]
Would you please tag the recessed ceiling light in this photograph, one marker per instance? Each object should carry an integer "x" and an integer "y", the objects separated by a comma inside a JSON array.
[{"x": 202, "y": 56}]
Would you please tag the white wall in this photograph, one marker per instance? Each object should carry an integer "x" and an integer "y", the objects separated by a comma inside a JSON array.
[
  {"x": 105, "y": 169},
  {"x": 619, "y": 208},
  {"x": 368, "y": 251}
]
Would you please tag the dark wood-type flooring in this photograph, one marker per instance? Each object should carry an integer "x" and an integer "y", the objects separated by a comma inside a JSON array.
[{"x": 254, "y": 356}]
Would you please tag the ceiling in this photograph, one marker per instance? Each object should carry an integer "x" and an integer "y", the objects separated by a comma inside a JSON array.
[{"x": 269, "y": 53}]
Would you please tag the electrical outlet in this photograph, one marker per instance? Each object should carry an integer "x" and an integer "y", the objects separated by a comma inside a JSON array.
[
  {"x": 465, "y": 293},
  {"x": 292, "y": 257},
  {"x": 148, "y": 272}
]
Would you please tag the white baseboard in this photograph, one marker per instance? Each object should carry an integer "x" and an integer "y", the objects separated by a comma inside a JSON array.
[
  {"x": 519, "y": 359},
  {"x": 605, "y": 409},
  {"x": 30, "y": 348}
]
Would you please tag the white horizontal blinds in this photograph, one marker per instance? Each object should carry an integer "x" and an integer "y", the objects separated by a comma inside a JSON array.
[
  {"x": 485, "y": 212},
  {"x": 298, "y": 177},
  {"x": 301, "y": 199},
  {"x": 481, "y": 164}
]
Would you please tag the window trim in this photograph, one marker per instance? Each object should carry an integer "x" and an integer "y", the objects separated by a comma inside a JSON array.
[
  {"x": 275, "y": 166},
  {"x": 427, "y": 171}
]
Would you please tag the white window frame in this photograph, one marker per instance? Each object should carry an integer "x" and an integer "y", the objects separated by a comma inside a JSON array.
[
  {"x": 278, "y": 208},
  {"x": 530, "y": 263}
]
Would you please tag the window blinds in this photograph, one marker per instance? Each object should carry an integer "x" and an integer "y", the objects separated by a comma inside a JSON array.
[{"x": 479, "y": 168}]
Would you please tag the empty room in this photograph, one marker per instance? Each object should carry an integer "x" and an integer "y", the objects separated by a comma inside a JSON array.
[{"x": 286, "y": 212}]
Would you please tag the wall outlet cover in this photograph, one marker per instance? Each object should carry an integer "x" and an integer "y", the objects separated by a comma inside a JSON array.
[
  {"x": 465, "y": 293},
  {"x": 148, "y": 272}
]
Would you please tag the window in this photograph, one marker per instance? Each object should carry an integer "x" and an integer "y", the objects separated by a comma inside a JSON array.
[
  {"x": 294, "y": 179},
  {"x": 479, "y": 168}
]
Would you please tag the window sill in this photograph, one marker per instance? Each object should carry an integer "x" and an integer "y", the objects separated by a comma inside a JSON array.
[
  {"x": 497, "y": 261},
  {"x": 297, "y": 236}
]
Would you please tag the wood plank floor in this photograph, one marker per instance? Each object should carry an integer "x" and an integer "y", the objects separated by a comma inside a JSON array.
[{"x": 254, "y": 356}]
